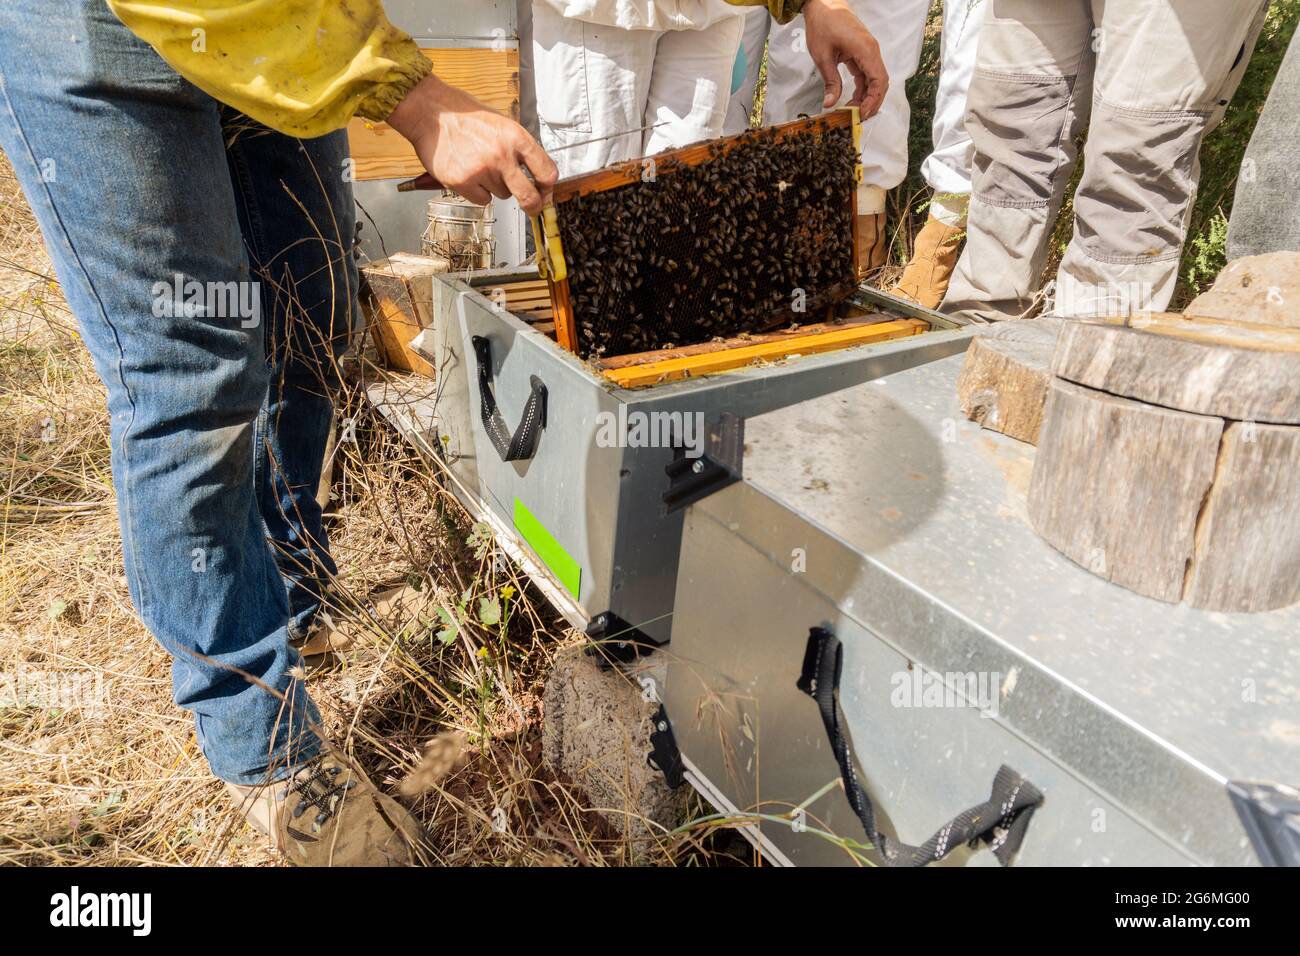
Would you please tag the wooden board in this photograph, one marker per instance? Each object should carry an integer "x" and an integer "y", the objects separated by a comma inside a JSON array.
[
  {"x": 631, "y": 171},
  {"x": 380, "y": 152},
  {"x": 397, "y": 301},
  {"x": 1248, "y": 541},
  {"x": 735, "y": 342},
  {"x": 1233, "y": 370},
  {"x": 1003, "y": 383},
  {"x": 528, "y": 299},
  {"x": 1118, "y": 485}
]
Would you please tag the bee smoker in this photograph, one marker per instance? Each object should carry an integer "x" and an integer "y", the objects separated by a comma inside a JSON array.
[{"x": 459, "y": 232}]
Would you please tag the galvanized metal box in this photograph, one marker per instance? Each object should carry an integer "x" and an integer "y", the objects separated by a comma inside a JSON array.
[
  {"x": 881, "y": 514},
  {"x": 589, "y": 502}
]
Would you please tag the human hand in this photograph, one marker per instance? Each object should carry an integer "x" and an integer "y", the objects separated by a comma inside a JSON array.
[{"x": 472, "y": 149}]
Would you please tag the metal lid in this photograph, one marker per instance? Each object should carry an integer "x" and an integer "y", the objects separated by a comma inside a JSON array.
[{"x": 453, "y": 208}]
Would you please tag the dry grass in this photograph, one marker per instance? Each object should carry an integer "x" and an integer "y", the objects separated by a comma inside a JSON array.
[{"x": 115, "y": 777}]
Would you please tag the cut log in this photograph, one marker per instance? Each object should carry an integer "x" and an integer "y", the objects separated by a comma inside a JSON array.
[
  {"x": 397, "y": 300},
  {"x": 1231, "y": 370},
  {"x": 1118, "y": 485},
  {"x": 1003, "y": 384},
  {"x": 1169, "y": 459},
  {"x": 1248, "y": 542},
  {"x": 1260, "y": 289}
]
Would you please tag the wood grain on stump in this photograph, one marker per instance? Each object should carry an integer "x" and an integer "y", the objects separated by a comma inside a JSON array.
[
  {"x": 1248, "y": 543},
  {"x": 1117, "y": 486},
  {"x": 1234, "y": 370},
  {"x": 1169, "y": 457},
  {"x": 1003, "y": 383}
]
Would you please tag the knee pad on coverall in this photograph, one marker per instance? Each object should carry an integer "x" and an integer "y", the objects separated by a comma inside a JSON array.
[{"x": 1158, "y": 77}]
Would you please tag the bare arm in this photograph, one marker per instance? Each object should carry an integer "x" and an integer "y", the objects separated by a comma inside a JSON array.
[{"x": 471, "y": 148}]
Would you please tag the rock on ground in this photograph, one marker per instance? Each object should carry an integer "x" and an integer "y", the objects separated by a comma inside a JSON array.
[{"x": 596, "y": 732}]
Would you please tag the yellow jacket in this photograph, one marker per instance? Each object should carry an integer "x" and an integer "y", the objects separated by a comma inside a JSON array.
[{"x": 303, "y": 67}]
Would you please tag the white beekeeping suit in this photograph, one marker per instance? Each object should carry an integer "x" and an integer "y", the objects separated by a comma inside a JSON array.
[
  {"x": 947, "y": 169},
  {"x": 605, "y": 66}
]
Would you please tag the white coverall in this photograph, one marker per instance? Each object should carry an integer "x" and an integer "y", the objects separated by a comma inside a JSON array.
[
  {"x": 794, "y": 87},
  {"x": 1149, "y": 79},
  {"x": 602, "y": 66}
]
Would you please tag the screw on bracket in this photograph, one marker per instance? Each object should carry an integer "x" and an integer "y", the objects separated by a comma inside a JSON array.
[{"x": 664, "y": 755}]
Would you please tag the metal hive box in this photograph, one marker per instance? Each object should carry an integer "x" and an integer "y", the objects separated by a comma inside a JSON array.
[
  {"x": 968, "y": 644},
  {"x": 580, "y": 491},
  {"x": 591, "y": 510}
]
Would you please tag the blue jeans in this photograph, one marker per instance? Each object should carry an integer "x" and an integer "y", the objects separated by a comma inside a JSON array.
[{"x": 208, "y": 262}]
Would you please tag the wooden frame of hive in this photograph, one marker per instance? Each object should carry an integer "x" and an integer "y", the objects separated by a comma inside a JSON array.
[{"x": 672, "y": 364}]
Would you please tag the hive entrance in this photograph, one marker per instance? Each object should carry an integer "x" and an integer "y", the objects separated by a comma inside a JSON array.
[{"x": 740, "y": 235}]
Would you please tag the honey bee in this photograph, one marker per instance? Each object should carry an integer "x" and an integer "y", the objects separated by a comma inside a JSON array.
[{"x": 712, "y": 250}]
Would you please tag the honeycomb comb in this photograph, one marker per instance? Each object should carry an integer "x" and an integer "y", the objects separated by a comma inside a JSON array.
[{"x": 736, "y": 235}]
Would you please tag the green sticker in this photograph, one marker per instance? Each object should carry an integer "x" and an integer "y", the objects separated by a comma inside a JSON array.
[{"x": 553, "y": 555}]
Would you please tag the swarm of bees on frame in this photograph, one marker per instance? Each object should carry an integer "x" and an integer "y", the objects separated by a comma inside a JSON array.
[{"x": 757, "y": 236}]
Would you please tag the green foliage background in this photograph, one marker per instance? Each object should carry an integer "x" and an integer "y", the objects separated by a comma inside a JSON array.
[{"x": 1221, "y": 155}]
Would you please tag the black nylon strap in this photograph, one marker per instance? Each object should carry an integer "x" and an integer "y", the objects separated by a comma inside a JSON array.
[
  {"x": 523, "y": 443},
  {"x": 1000, "y": 822}
]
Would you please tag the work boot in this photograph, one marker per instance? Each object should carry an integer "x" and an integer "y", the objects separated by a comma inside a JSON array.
[
  {"x": 329, "y": 814},
  {"x": 934, "y": 256},
  {"x": 873, "y": 245}
]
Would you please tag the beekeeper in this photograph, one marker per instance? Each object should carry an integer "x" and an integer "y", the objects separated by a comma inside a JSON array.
[
  {"x": 793, "y": 88},
  {"x": 660, "y": 71},
  {"x": 1149, "y": 78},
  {"x": 947, "y": 170},
  {"x": 211, "y": 135}
]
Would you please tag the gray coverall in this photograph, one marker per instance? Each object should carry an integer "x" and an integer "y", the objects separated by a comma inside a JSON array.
[{"x": 1149, "y": 79}]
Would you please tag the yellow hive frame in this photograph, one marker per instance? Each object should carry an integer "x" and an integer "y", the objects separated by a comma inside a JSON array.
[
  {"x": 691, "y": 366},
  {"x": 551, "y": 266}
]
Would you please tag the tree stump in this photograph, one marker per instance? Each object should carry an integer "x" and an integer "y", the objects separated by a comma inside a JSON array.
[
  {"x": 1117, "y": 486},
  {"x": 1169, "y": 458},
  {"x": 1003, "y": 383},
  {"x": 1248, "y": 542}
]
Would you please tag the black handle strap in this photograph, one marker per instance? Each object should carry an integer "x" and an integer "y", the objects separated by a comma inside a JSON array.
[
  {"x": 1000, "y": 822},
  {"x": 522, "y": 445}
]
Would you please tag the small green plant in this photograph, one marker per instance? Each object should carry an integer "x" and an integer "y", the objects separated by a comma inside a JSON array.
[
  {"x": 451, "y": 623},
  {"x": 480, "y": 539},
  {"x": 1205, "y": 255}
]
